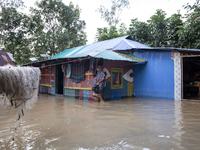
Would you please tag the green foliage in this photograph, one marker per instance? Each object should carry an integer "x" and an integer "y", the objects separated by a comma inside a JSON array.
[
  {"x": 58, "y": 27},
  {"x": 140, "y": 31},
  {"x": 7, "y": 9},
  {"x": 174, "y": 25},
  {"x": 123, "y": 29},
  {"x": 51, "y": 27},
  {"x": 158, "y": 29},
  {"x": 110, "y": 33},
  {"x": 14, "y": 34},
  {"x": 112, "y": 16},
  {"x": 192, "y": 7},
  {"x": 190, "y": 32},
  {"x": 11, "y": 3}
]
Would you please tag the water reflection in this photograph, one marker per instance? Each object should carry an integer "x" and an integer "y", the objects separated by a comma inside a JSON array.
[
  {"x": 40, "y": 95},
  {"x": 190, "y": 123},
  {"x": 131, "y": 123},
  {"x": 52, "y": 99}
]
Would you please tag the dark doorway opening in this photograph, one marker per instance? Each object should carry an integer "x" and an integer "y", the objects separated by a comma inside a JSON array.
[
  {"x": 191, "y": 78},
  {"x": 59, "y": 80}
]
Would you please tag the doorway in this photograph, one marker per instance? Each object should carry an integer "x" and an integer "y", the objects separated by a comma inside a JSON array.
[
  {"x": 59, "y": 80},
  {"x": 191, "y": 78}
]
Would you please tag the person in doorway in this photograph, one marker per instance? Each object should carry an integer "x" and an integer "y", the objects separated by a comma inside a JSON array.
[{"x": 101, "y": 81}]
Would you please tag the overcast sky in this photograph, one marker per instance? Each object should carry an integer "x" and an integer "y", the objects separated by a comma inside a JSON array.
[{"x": 141, "y": 9}]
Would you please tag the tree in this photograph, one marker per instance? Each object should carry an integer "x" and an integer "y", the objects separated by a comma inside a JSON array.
[
  {"x": 6, "y": 8},
  {"x": 11, "y": 3},
  {"x": 110, "y": 33},
  {"x": 123, "y": 30},
  {"x": 112, "y": 16},
  {"x": 140, "y": 31},
  {"x": 174, "y": 24},
  {"x": 190, "y": 32},
  {"x": 158, "y": 28},
  {"x": 14, "y": 30},
  {"x": 192, "y": 7},
  {"x": 51, "y": 28},
  {"x": 59, "y": 27},
  {"x": 102, "y": 34},
  {"x": 14, "y": 34},
  {"x": 106, "y": 33}
]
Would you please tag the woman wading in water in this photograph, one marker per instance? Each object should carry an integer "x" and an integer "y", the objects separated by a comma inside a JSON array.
[{"x": 101, "y": 81}]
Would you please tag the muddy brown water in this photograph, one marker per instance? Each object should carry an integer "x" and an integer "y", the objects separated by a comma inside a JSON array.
[{"x": 131, "y": 123}]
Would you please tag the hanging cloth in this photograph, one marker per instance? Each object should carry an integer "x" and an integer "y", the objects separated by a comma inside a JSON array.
[
  {"x": 69, "y": 70},
  {"x": 78, "y": 71},
  {"x": 93, "y": 65}
]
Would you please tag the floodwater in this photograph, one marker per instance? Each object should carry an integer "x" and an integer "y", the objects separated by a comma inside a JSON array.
[{"x": 131, "y": 123}]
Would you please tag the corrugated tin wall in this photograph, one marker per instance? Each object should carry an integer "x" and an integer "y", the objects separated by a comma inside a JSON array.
[
  {"x": 47, "y": 80},
  {"x": 155, "y": 79}
]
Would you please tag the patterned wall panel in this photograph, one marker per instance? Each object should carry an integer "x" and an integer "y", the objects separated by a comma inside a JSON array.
[
  {"x": 53, "y": 90},
  {"x": 130, "y": 89},
  {"x": 85, "y": 94},
  {"x": 125, "y": 88},
  {"x": 69, "y": 93},
  {"x": 177, "y": 76},
  {"x": 80, "y": 94}
]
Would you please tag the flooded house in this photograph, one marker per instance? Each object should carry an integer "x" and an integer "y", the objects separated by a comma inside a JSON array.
[
  {"x": 71, "y": 73},
  {"x": 131, "y": 69}
]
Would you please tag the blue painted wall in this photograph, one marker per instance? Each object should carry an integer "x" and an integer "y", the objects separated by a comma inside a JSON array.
[{"x": 154, "y": 79}]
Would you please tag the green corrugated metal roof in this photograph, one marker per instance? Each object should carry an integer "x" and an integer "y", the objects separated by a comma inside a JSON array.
[
  {"x": 78, "y": 50},
  {"x": 111, "y": 55},
  {"x": 101, "y": 49},
  {"x": 135, "y": 57},
  {"x": 105, "y": 54},
  {"x": 63, "y": 53},
  {"x": 122, "y": 43}
]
